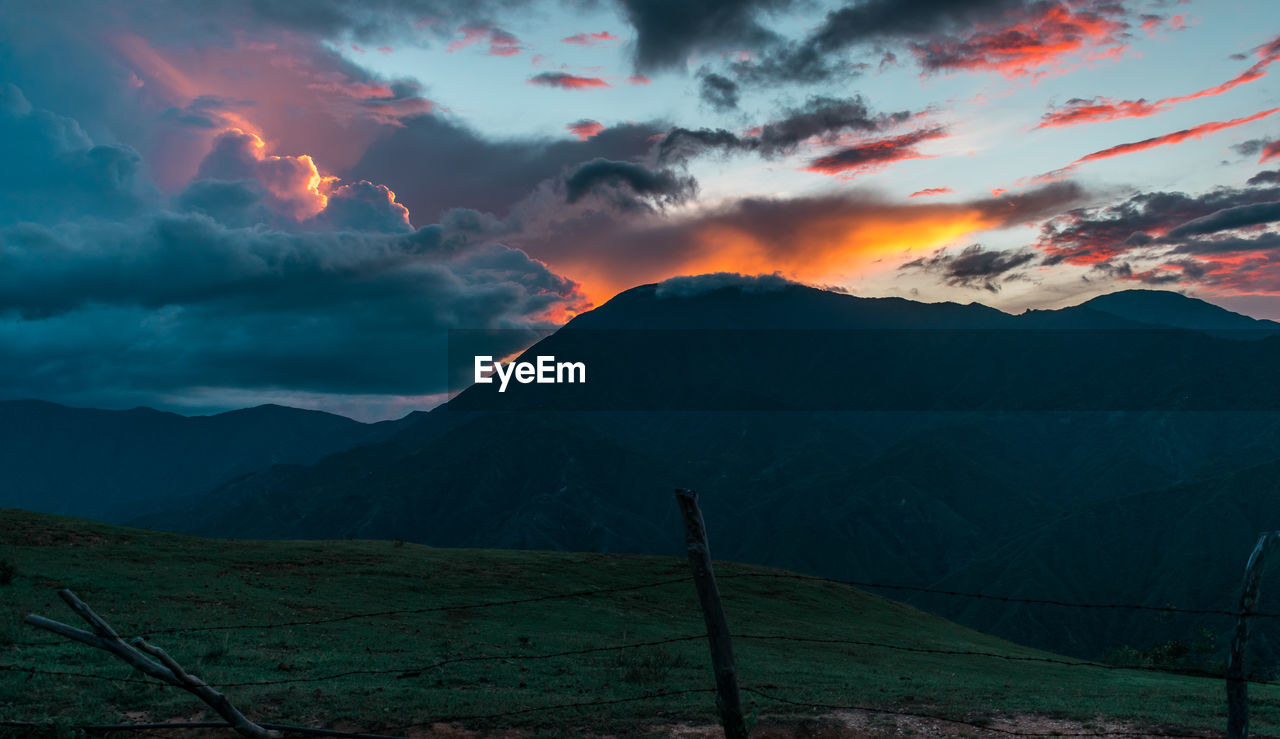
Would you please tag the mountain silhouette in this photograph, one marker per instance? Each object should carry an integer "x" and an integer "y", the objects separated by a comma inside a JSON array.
[{"x": 900, "y": 493}]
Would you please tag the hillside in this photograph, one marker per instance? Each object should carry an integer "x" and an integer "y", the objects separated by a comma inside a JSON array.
[
  {"x": 1186, "y": 544},
  {"x": 146, "y": 582},
  {"x": 112, "y": 465}
]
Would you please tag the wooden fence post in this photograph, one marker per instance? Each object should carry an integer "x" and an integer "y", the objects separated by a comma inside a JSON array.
[
  {"x": 162, "y": 667},
  {"x": 1237, "y": 685},
  {"x": 728, "y": 700}
]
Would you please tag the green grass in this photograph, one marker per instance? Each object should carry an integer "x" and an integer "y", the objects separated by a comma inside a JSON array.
[{"x": 142, "y": 581}]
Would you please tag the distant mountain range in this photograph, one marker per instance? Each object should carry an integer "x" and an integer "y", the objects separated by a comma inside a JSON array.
[
  {"x": 1064, "y": 503},
  {"x": 114, "y": 465}
]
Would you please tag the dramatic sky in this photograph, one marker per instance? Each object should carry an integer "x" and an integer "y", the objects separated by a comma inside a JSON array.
[{"x": 207, "y": 205}]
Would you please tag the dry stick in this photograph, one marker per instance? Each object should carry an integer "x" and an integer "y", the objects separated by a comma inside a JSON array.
[
  {"x": 728, "y": 700},
  {"x": 1237, "y": 686},
  {"x": 166, "y": 670}
]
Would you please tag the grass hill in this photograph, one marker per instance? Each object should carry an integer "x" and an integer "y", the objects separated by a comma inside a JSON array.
[{"x": 146, "y": 583}]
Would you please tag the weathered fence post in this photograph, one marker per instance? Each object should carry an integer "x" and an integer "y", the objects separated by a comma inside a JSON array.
[
  {"x": 1237, "y": 685},
  {"x": 166, "y": 669},
  {"x": 728, "y": 700}
]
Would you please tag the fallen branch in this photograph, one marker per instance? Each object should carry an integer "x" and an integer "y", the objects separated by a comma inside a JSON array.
[{"x": 166, "y": 670}]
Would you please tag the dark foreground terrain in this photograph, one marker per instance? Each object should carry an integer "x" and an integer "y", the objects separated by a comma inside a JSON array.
[{"x": 284, "y": 628}]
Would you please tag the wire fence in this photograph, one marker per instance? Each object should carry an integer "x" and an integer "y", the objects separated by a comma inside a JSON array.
[{"x": 769, "y": 693}]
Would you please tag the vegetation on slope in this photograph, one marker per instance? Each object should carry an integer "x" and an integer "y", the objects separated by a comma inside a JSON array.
[{"x": 145, "y": 582}]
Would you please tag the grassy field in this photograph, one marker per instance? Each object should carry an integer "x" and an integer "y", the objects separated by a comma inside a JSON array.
[{"x": 144, "y": 582}]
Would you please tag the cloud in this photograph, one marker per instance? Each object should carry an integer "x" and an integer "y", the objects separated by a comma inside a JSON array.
[
  {"x": 1101, "y": 234},
  {"x": 930, "y": 191},
  {"x": 53, "y": 170},
  {"x": 585, "y": 128},
  {"x": 873, "y": 155},
  {"x": 1267, "y": 177},
  {"x": 721, "y": 93},
  {"x": 589, "y": 39},
  {"x": 976, "y": 267},
  {"x": 638, "y": 79},
  {"x": 1223, "y": 241},
  {"x": 1237, "y": 216},
  {"x": 669, "y": 31},
  {"x": 1080, "y": 110},
  {"x": 645, "y": 185},
  {"x": 1028, "y": 44},
  {"x": 364, "y": 206},
  {"x": 820, "y": 119},
  {"x": 566, "y": 81},
  {"x": 1014, "y": 38},
  {"x": 291, "y": 185},
  {"x": 687, "y": 286},
  {"x": 1167, "y": 139},
  {"x": 173, "y": 305},
  {"x": 501, "y": 43},
  {"x": 434, "y": 163},
  {"x": 817, "y": 240}
]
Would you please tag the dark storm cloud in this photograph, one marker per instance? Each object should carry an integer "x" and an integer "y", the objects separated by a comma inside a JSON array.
[
  {"x": 820, "y": 118},
  {"x": 975, "y": 266},
  {"x": 1012, "y": 37},
  {"x": 259, "y": 282},
  {"x": 1237, "y": 216},
  {"x": 434, "y": 163},
  {"x": 1220, "y": 239},
  {"x": 179, "y": 300},
  {"x": 669, "y": 31},
  {"x": 1266, "y": 177},
  {"x": 52, "y": 169},
  {"x": 720, "y": 92},
  {"x": 1252, "y": 147},
  {"x": 1094, "y": 235},
  {"x": 660, "y": 186},
  {"x": 364, "y": 206}
]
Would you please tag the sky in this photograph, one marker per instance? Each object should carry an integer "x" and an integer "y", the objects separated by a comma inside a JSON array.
[{"x": 211, "y": 205}]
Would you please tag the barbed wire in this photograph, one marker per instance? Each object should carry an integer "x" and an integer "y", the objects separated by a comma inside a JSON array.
[
  {"x": 999, "y": 598},
  {"x": 416, "y": 670}
]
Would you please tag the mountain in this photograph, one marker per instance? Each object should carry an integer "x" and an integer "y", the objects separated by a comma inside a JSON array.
[
  {"x": 1165, "y": 308},
  {"x": 1185, "y": 545},
  {"x": 890, "y": 452},
  {"x": 113, "y": 465}
]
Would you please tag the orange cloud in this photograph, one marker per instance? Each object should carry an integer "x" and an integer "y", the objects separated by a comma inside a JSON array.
[
  {"x": 1031, "y": 46},
  {"x": 1270, "y": 151},
  {"x": 585, "y": 128},
  {"x": 589, "y": 39},
  {"x": 872, "y": 155},
  {"x": 1194, "y": 132},
  {"x": 566, "y": 81},
  {"x": 501, "y": 43},
  {"x": 826, "y": 240},
  {"x": 931, "y": 191},
  {"x": 1092, "y": 110}
]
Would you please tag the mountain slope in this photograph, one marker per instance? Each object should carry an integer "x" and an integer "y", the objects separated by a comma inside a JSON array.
[
  {"x": 1166, "y": 308},
  {"x": 111, "y": 464}
]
